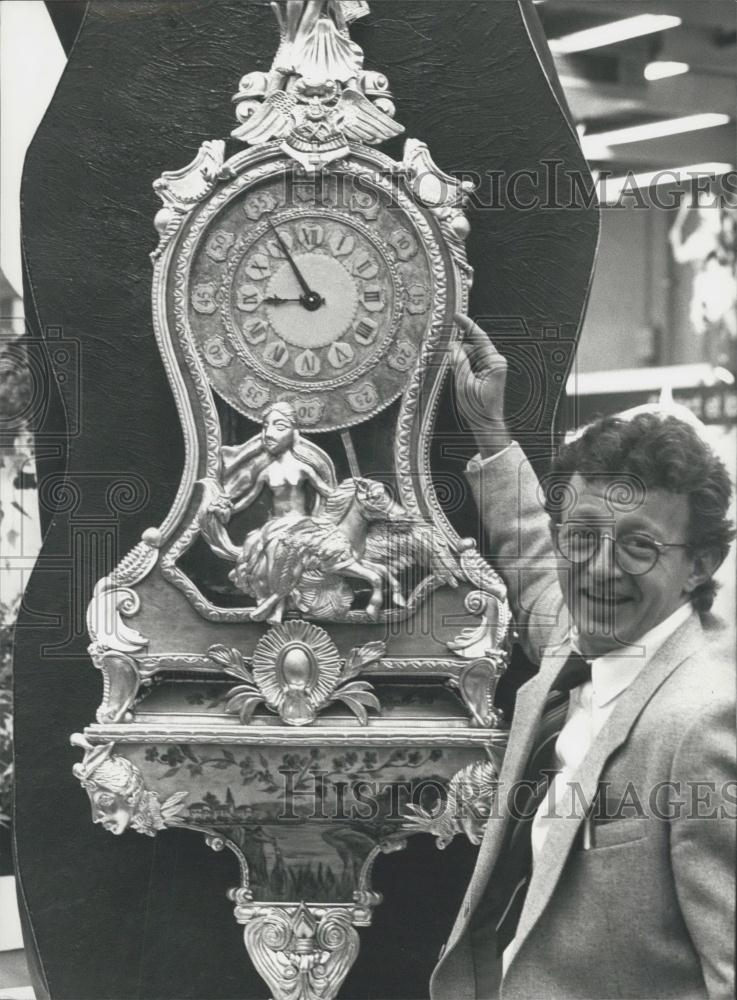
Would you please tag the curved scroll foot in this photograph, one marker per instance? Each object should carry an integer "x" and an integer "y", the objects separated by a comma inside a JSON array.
[{"x": 302, "y": 952}]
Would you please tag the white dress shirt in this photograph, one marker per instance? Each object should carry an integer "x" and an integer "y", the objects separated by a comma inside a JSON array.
[{"x": 589, "y": 707}]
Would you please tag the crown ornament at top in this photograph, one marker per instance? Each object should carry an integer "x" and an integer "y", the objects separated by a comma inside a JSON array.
[{"x": 317, "y": 96}]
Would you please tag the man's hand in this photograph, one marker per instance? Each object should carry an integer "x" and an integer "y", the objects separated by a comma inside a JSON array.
[{"x": 480, "y": 381}]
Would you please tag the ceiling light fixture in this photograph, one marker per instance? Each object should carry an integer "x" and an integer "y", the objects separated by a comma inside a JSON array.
[
  {"x": 610, "y": 189},
  {"x": 663, "y": 68},
  {"x": 614, "y": 31},
  {"x": 594, "y": 142}
]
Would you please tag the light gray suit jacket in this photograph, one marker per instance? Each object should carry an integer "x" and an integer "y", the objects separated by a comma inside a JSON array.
[{"x": 649, "y": 910}]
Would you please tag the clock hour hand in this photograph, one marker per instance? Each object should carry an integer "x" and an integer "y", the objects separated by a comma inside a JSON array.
[
  {"x": 277, "y": 300},
  {"x": 309, "y": 299}
]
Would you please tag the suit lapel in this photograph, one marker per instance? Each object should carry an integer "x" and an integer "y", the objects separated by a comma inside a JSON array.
[
  {"x": 549, "y": 867},
  {"x": 531, "y": 699}
]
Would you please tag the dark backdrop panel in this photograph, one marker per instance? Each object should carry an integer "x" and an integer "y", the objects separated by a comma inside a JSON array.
[
  {"x": 67, "y": 17},
  {"x": 145, "y": 85}
]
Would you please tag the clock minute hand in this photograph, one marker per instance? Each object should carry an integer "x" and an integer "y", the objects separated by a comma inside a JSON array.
[
  {"x": 310, "y": 300},
  {"x": 297, "y": 273}
]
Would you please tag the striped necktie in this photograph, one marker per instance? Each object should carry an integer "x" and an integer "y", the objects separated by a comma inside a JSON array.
[{"x": 508, "y": 882}]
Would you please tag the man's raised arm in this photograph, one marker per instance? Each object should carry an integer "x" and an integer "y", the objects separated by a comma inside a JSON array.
[{"x": 507, "y": 495}]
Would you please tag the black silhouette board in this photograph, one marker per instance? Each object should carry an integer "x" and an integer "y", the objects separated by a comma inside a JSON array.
[{"x": 145, "y": 85}]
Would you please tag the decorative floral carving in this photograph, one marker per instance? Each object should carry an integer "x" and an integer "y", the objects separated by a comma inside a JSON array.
[
  {"x": 117, "y": 793},
  {"x": 296, "y": 671},
  {"x": 266, "y": 773}
]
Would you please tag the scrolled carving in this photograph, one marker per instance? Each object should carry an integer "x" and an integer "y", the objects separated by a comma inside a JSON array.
[
  {"x": 483, "y": 576},
  {"x": 477, "y": 684},
  {"x": 121, "y": 683},
  {"x": 139, "y": 562},
  {"x": 108, "y": 607},
  {"x": 181, "y": 190},
  {"x": 113, "y": 599},
  {"x": 443, "y": 194},
  {"x": 476, "y": 642},
  {"x": 303, "y": 952}
]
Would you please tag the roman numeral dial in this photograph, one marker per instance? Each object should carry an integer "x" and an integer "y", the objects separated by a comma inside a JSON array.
[{"x": 307, "y": 290}]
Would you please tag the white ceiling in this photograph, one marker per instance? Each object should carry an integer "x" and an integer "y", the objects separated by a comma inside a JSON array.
[{"x": 606, "y": 87}]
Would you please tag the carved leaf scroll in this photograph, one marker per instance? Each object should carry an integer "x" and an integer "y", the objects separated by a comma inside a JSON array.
[
  {"x": 303, "y": 956},
  {"x": 296, "y": 672}
]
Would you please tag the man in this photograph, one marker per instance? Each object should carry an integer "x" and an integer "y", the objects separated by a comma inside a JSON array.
[{"x": 618, "y": 879}]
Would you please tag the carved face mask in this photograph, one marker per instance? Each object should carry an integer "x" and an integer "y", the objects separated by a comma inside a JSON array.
[
  {"x": 109, "y": 810},
  {"x": 278, "y": 433}
]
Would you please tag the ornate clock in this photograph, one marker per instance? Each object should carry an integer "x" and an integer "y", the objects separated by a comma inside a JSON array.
[
  {"x": 296, "y": 614},
  {"x": 320, "y": 292}
]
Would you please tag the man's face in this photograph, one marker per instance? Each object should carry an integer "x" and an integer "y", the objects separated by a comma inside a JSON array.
[{"x": 611, "y": 607}]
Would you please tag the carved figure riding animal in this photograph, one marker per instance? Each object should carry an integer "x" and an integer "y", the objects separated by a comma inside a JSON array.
[{"x": 354, "y": 530}]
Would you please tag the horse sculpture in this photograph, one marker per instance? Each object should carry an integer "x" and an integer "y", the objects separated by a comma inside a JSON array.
[{"x": 360, "y": 533}]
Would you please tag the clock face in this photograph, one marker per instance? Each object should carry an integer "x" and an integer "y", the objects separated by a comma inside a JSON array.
[{"x": 317, "y": 291}]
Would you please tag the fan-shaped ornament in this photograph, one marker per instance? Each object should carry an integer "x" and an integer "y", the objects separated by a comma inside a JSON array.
[{"x": 296, "y": 666}]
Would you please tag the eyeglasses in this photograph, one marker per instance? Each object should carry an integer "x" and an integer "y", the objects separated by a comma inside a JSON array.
[{"x": 635, "y": 554}]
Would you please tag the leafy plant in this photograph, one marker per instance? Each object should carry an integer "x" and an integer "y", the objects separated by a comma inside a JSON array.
[{"x": 6, "y": 716}]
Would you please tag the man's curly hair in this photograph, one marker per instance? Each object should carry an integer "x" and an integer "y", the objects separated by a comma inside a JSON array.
[{"x": 659, "y": 453}]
